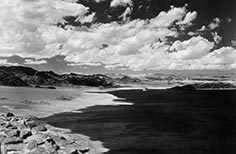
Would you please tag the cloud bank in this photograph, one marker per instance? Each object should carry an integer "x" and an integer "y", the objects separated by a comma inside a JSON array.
[{"x": 30, "y": 29}]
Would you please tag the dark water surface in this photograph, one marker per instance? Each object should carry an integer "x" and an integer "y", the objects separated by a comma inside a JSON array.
[{"x": 160, "y": 122}]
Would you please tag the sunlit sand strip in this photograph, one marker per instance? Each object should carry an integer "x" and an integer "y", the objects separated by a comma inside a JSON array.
[{"x": 82, "y": 101}]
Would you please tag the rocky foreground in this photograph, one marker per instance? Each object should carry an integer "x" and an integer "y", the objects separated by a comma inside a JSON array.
[{"x": 28, "y": 135}]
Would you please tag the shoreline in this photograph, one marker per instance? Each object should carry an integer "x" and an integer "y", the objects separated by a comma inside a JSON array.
[
  {"x": 78, "y": 98},
  {"x": 97, "y": 146},
  {"x": 100, "y": 99},
  {"x": 118, "y": 127}
]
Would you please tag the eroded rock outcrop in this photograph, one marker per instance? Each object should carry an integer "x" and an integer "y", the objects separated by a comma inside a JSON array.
[{"x": 28, "y": 135}]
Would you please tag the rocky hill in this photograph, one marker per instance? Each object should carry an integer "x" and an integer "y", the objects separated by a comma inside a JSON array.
[
  {"x": 9, "y": 79},
  {"x": 28, "y": 135},
  {"x": 26, "y": 77},
  {"x": 206, "y": 86}
]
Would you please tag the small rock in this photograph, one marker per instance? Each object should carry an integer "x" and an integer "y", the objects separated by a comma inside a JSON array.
[
  {"x": 9, "y": 114},
  {"x": 75, "y": 152},
  {"x": 25, "y": 133},
  {"x": 61, "y": 141},
  {"x": 2, "y": 137},
  {"x": 17, "y": 148},
  {"x": 39, "y": 150},
  {"x": 32, "y": 145},
  {"x": 8, "y": 125},
  {"x": 31, "y": 124},
  {"x": 13, "y": 133},
  {"x": 84, "y": 150},
  {"x": 51, "y": 146},
  {"x": 13, "y": 140},
  {"x": 40, "y": 138},
  {"x": 40, "y": 128}
]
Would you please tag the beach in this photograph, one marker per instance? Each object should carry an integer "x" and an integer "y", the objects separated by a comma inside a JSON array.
[{"x": 47, "y": 102}]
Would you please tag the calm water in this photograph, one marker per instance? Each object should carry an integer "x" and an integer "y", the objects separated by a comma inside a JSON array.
[{"x": 160, "y": 122}]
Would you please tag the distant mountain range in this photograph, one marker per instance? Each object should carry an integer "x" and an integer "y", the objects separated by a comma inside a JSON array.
[
  {"x": 205, "y": 86},
  {"x": 28, "y": 77}
]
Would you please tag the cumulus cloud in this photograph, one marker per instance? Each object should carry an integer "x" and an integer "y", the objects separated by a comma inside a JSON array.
[
  {"x": 217, "y": 39},
  {"x": 215, "y": 23},
  {"x": 194, "y": 48},
  {"x": 34, "y": 62},
  {"x": 23, "y": 24},
  {"x": 29, "y": 29},
  {"x": 115, "y": 3},
  {"x": 126, "y": 13},
  {"x": 166, "y": 19},
  {"x": 98, "y": 1},
  {"x": 202, "y": 29},
  {"x": 6, "y": 63},
  {"x": 87, "y": 19},
  {"x": 85, "y": 64},
  {"x": 189, "y": 17},
  {"x": 223, "y": 58}
]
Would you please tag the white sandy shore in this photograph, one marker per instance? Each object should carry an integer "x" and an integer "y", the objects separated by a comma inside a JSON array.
[
  {"x": 11, "y": 99},
  {"x": 26, "y": 101}
]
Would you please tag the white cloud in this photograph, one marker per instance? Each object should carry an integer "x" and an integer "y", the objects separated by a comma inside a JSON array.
[
  {"x": 85, "y": 64},
  {"x": 34, "y": 62},
  {"x": 229, "y": 20},
  {"x": 194, "y": 48},
  {"x": 115, "y": 3},
  {"x": 23, "y": 23},
  {"x": 216, "y": 37},
  {"x": 125, "y": 14},
  {"x": 166, "y": 19},
  {"x": 28, "y": 28},
  {"x": 203, "y": 28},
  {"x": 6, "y": 63},
  {"x": 189, "y": 17},
  {"x": 215, "y": 23},
  {"x": 87, "y": 19},
  {"x": 98, "y": 1},
  {"x": 223, "y": 58}
]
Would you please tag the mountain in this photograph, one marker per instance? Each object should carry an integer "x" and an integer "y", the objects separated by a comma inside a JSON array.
[
  {"x": 26, "y": 77},
  {"x": 29, "y": 77},
  {"x": 124, "y": 79},
  {"x": 205, "y": 86},
  {"x": 9, "y": 79}
]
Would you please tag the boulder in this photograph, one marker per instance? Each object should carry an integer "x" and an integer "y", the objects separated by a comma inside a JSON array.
[
  {"x": 13, "y": 133},
  {"x": 9, "y": 114},
  {"x": 39, "y": 150},
  {"x": 13, "y": 140},
  {"x": 18, "y": 148},
  {"x": 84, "y": 150},
  {"x": 32, "y": 145},
  {"x": 75, "y": 152},
  {"x": 40, "y": 128},
  {"x": 25, "y": 134},
  {"x": 28, "y": 135}
]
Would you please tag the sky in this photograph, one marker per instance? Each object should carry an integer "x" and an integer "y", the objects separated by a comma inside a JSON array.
[{"x": 118, "y": 36}]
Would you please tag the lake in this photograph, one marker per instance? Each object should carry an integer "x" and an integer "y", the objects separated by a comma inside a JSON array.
[{"x": 160, "y": 122}]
